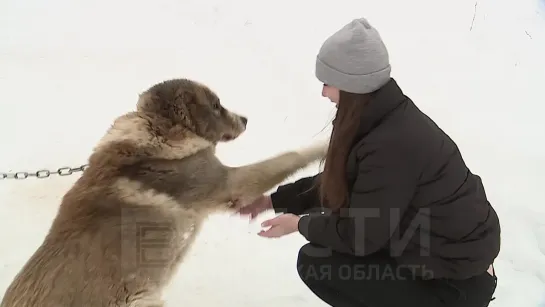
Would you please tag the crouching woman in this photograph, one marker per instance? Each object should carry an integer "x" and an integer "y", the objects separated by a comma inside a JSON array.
[{"x": 396, "y": 218}]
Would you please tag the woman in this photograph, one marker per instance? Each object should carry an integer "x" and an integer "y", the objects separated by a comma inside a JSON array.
[{"x": 406, "y": 223}]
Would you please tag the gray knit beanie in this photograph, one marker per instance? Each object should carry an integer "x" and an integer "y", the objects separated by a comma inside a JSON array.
[{"x": 354, "y": 59}]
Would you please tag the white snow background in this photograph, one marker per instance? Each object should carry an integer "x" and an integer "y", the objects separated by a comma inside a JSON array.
[{"x": 68, "y": 68}]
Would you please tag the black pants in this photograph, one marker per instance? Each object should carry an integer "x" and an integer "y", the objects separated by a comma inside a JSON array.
[{"x": 374, "y": 281}]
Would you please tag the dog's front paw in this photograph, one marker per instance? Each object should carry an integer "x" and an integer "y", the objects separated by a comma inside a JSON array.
[
  {"x": 231, "y": 204},
  {"x": 236, "y": 204}
]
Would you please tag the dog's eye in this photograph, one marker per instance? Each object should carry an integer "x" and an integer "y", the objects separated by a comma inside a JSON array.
[{"x": 216, "y": 105}]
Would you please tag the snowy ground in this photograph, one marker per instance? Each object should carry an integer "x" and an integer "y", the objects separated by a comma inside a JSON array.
[{"x": 68, "y": 68}]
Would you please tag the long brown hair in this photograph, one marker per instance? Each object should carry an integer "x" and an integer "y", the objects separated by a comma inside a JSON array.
[{"x": 333, "y": 185}]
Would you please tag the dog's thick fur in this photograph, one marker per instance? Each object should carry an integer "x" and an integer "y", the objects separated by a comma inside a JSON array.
[{"x": 124, "y": 227}]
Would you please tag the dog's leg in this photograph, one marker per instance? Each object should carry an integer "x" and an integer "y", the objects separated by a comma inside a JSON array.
[{"x": 248, "y": 182}]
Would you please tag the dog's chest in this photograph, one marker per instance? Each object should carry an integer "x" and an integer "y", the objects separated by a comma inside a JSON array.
[{"x": 184, "y": 226}]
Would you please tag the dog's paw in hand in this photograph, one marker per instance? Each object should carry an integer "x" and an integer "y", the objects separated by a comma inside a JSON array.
[{"x": 235, "y": 204}]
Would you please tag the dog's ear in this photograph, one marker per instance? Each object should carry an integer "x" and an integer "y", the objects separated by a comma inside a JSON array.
[{"x": 184, "y": 112}]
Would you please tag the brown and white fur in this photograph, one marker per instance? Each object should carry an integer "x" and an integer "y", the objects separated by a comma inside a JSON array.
[{"x": 125, "y": 225}]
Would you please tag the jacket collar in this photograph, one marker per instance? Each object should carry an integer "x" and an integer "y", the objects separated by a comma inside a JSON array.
[{"x": 383, "y": 102}]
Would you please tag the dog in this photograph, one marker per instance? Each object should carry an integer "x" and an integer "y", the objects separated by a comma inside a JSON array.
[{"x": 125, "y": 225}]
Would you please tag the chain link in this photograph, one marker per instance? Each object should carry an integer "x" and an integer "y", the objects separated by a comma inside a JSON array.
[{"x": 41, "y": 174}]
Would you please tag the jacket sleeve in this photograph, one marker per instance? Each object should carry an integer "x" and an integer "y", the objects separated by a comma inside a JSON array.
[
  {"x": 297, "y": 197},
  {"x": 385, "y": 184}
]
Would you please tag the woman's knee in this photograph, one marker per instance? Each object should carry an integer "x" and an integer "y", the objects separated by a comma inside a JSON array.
[
  {"x": 314, "y": 263},
  {"x": 313, "y": 254}
]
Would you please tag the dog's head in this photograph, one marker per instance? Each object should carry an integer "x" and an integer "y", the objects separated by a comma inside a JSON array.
[{"x": 194, "y": 106}]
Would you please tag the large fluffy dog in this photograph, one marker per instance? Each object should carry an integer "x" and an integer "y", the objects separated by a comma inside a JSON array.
[{"x": 124, "y": 227}]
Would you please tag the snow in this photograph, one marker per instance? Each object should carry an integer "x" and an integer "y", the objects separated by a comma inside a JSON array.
[{"x": 68, "y": 68}]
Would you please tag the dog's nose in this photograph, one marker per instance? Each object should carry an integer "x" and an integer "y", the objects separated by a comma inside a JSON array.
[{"x": 244, "y": 120}]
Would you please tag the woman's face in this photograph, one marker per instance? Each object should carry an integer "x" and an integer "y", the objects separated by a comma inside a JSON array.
[{"x": 332, "y": 93}]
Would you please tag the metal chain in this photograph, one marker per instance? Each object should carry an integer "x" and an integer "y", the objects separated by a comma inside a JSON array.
[{"x": 63, "y": 171}]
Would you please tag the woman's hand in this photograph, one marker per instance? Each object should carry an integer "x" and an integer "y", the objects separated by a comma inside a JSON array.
[{"x": 280, "y": 226}]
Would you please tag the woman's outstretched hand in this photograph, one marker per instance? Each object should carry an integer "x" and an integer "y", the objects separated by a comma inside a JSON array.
[{"x": 280, "y": 226}]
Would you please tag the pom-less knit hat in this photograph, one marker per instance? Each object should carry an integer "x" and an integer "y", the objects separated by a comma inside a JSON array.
[{"x": 354, "y": 59}]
